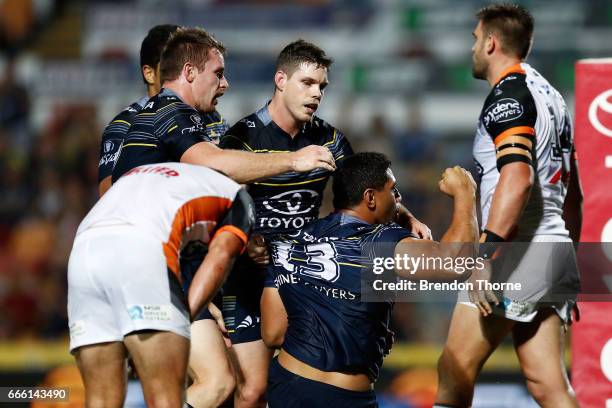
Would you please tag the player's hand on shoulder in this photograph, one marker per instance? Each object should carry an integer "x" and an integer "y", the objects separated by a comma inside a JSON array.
[
  {"x": 313, "y": 157},
  {"x": 456, "y": 181},
  {"x": 258, "y": 250}
]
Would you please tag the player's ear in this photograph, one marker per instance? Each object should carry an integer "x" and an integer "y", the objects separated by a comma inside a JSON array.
[
  {"x": 280, "y": 80},
  {"x": 148, "y": 72},
  {"x": 491, "y": 44},
  {"x": 370, "y": 198},
  {"x": 189, "y": 71}
]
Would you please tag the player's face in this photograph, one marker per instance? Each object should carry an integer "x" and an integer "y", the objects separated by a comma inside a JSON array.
[
  {"x": 210, "y": 83},
  {"x": 388, "y": 200},
  {"x": 479, "y": 62},
  {"x": 304, "y": 90}
]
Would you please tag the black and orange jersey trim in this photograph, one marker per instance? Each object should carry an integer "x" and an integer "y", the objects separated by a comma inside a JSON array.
[{"x": 509, "y": 115}]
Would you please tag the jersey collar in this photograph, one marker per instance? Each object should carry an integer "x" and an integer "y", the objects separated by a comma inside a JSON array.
[
  {"x": 169, "y": 92},
  {"x": 263, "y": 114},
  {"x": 513, "y": 69}
]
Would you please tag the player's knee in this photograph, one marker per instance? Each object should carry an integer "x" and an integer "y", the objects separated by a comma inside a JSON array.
[
  {"x": 219, "y": 385},
  {"x": 252, "y": 393},
  {"x": 162, "y": 400},
  {"x": 458, "y": 366},
  {"x": 547, "y": 391}
]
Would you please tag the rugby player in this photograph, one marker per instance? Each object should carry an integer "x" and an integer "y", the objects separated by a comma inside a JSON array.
[
  {"x": 528, "y": 176},
  {"x": 114, "y": 133},
  {"x": 333, "y": 343},
  {"x": 124, "y": 279},
  {"x": 284, "y": 203}
]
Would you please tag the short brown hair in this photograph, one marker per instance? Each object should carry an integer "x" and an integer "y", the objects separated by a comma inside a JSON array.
[
  {"x": 298, "y": 52},
  {"x": 512, "y": 23},
  {"x": 186, "y": 45}
]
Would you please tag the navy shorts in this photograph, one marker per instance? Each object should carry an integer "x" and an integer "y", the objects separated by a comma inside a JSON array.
[
  {"x": 288, "y": 390},
  {"x": 241, "y": 296}
]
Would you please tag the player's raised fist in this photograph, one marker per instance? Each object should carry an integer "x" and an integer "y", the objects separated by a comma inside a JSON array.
[
  {"x": 456, "y": 181},
  {"x": 312, "y": 157}
]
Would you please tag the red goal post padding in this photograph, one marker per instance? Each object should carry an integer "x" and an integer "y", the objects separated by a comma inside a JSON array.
[{"x": 592, "y": 336}]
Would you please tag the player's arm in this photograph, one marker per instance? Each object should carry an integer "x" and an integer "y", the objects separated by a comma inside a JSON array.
[
  {"x": 572, "y": 207},
  {"x": 247, "y": 167},
  {"x": 514, "y": 140},
  {"x": 227, "y": 243},
  {"x": 463, "y": 231},
  {"x": 110, "y": 144},
  {"x": 510, "y": 197},
  {"x": 273, "y": 318}
]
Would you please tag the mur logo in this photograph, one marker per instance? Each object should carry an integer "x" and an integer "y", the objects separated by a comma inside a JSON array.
[
  {"x": 601, "y": 103},
  {"x": 292, "y": 202},
  {"x": 135, "y": 312}
]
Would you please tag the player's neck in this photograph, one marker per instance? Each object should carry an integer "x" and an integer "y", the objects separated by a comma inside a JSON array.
[
  {"x": 152, "y": 90},
  {"x": 359, "y": 213},
  {"x": 499, "y": 66},
  {"x": 283, "y": 118},
  {"x": 182, "y": 91}
]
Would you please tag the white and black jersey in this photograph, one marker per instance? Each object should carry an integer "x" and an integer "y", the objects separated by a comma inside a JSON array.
[{"x": 525, "y": 119}]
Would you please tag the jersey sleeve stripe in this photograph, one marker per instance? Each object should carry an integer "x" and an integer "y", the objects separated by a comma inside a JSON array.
[
  {"x": 121, "y": 121},
  {"x": 517, "y": 130},
  {"x": 234, "y": 230},
  {"x": 517, "y": 140},
  {"x": 513, "y": 150},
  {"x": 172, "y": 128},
  {"x": 140, "y": 144},
  {"x": 207, "y": 208}
]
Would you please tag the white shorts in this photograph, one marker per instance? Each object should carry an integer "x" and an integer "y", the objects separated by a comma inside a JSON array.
[
  {"x": 118, "y": 283},
  {"x": 547, "y": 272}
]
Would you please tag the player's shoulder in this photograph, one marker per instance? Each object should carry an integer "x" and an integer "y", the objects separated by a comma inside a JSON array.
[
  {"x": 247, "y": 125},
  {"x": 391, "y": 232},
  {"x": 128, "y": 113},
  {"x": 318, "y": 125},
  {"x": 165, "y": 101},
  {"x": 510, "y": 102},
  {"x": 512, "y": 86}
]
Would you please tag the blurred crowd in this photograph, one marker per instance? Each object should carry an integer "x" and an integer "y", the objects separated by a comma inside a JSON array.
[{"x": 48, "y": 184}]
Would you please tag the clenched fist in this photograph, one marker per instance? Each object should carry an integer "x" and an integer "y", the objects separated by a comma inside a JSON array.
[{"x": 457, "y": 181}]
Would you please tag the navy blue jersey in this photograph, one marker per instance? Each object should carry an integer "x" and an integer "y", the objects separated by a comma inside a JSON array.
[
  {"x": 163, "y": 130},
  {"x": 318, "y": 274},
  {"x": 287, "y": 202},
  {"x": 113, "y": 136}
]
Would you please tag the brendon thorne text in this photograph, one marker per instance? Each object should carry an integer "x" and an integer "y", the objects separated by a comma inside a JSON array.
[{"x": 424, "y": 285}]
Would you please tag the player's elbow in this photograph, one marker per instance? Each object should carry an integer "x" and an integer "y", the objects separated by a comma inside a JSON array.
[{"x": 273, "y": 337}]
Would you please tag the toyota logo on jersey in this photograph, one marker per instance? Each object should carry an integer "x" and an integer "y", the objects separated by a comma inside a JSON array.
[
  {"x": 602, "y": 122},
  {"x": 292, "y": 202}
]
